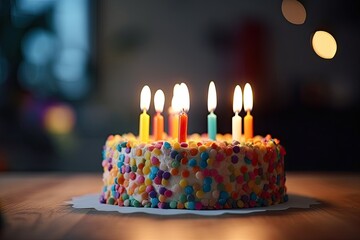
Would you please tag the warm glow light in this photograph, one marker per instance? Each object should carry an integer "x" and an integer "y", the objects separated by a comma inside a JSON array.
[
  {"x": 237, "y": 100},
  {"x": 159, "y": 100},
  {"x": 248, "y": 97},
  {"x": 184, "y": 97},
  {"x": 293, "y": 11},
  {"x": 59, "y": 119},
  {"x": 145, "y": 98},
  {"x": 212, "y": 97},
  {"x": 324, "y": 44},
  {"x": 176, "y": 104}
]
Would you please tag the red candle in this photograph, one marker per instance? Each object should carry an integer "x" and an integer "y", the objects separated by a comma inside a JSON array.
[
  {"x": 183, "y": 118},
  {"x": 183, "y": 124}
]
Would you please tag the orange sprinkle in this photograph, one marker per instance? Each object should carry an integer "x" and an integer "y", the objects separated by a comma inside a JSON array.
[
  {"x": 196, "y": 169},
  {"x": 180, "y": 205},
  {"x": 184, "y": 160},
  {"x": 174, "y": 171},
  {"x": 228, "y": 151},
  {"x": 162, "y": 198},
  {"x": 185, "y": 173},
  {"x": 193, "y": 151},
  {"x": 138, "y": 152}
]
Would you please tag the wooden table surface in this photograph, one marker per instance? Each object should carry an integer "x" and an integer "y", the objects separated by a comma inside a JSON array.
[{"x": 33, "y": 207}]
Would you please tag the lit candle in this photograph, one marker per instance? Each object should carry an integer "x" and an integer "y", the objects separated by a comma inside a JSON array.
[
  {"x": 183, "y": 118},
  {"x": 145, "y": 98},
  {"x": 159, "y": 100},
  {"x": 248, "y": 105},
  {"x": 211, "y": 107},
  {"x": 236, "y": 120},
  {"x": 174, "y": 113}
]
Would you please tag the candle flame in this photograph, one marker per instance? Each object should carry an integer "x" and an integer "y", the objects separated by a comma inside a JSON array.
[
  {"x": 145, "y": 98},
  {"x": 159, "y": 100},
  {"x": 237, "y": 100},
  {"x": 212, "y": 100},
  {"x": 175, "y": 102},
  {"x": 324, "y": 44},
  {"x": 248, "y": 97},
  {"x": 184, "y": 97}
]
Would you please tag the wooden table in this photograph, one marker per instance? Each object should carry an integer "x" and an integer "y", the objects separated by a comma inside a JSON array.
[{"x": 33, "y": 207}]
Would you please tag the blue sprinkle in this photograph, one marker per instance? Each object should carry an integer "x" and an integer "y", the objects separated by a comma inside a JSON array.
[
  {"x": 120, "y": 164},
  {"x": 173, "y": 154},
  {"x": 153, "y": 194},
  {"x": 118, "y": 147},
  {"x": 154, "y": 202},
  {"x": 206, "y": 187},
  {"x": 247, "y": 160},
  {"x": 222, "y": 201},
  {"x": 204, "y": 155},
  {"x": 154, "y": 169},
  {"x": 113, "y": 187},
  {"x": 203, "y": 163},
  {"x": 224, "y": 195},
  {"x": 191, "y": 205},
  {"x": 105, "y": 189},
  {"x": 167, "y": 145},
  {"x": 192, "y": 162},
  {"x": 189, "y": 189},
  {"x": 152, "y": 176},
  {"x": 178, "y": 157},
  {"x": 208, "y": 180},
  {"x": 190, "y": 197},
  {"x": 121, "y": 157},
  {"x": 253, "y": 196},
  {"x": 123, "y": 144}
]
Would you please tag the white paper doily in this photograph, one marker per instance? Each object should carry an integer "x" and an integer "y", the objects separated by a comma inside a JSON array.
[{"x": 92, "y": 201}]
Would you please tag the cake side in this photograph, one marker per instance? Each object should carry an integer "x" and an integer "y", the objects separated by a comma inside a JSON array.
[{"x": 200, "y": 174}]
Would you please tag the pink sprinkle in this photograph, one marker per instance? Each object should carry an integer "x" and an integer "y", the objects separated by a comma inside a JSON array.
[
  {"x": 149, "y": 188},
  {"x": 158, "y": 145},
  {"x": 151, "y": 148},
  {"x": 127, "y": 159},
  {"x": 219, "y": 178},
  {"x": 155, "y": 160},
  {"x": 251, "y": 175},
  {"x": 132, "y": 176},
  {"x": 184, "y": 145},
  {"x": 104, "y": 163},
  {"x": 213, "y": 172},
  {"x": 240, "y": 179},
  {"x": 168, "y": 193},
  {"x": 140, "y": 179},
  {"x": 206, "y": 172},
  {"x": 157, "y": 180},
  {"x": 198, "y": 206},
  {"x": 252, "y": 203}
]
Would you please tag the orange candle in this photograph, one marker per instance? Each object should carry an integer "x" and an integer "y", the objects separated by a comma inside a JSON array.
[
  {"x": 183, "y": 118},
  {"x": 158, "y": 127},
  {"x": 248, "y": 119}
]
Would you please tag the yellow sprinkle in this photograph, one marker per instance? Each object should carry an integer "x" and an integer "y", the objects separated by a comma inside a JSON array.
[
  {"x": 210, "y": 161},
  {"x": 147, "y": 155},
  {"x": 199, "y": 194},
  {"x": 240, "y": 204},
  {"x": 132, "y": 162},
  {"x": 236, "y": 172},
  {"x": 148, "y": 181},
  {"x": 142, "y": 188},
  {"x": 164, "y": 182},
  {"x": 192, "y": 144},
  {"x": 147, "y": 163},
  {"x": 183, "y": 183},
  {"x": 156, "y": 151},
  {"x": 257, "y": 189},
  {"x": 202, "y": 148},
  {"x": 146, "y": 170},
  {"x": 176, "y": 146}
]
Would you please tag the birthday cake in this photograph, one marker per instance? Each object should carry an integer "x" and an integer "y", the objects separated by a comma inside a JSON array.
[{"x": 198, "y": 174}]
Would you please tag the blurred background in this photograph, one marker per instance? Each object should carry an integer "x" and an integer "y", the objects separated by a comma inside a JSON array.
[{"x": 71, "y": 72}]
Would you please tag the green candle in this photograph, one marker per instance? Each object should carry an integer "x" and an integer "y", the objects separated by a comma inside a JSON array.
[{"x": 212, "y": 128}]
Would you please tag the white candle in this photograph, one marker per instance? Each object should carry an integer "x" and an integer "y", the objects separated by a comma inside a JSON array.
[{"x": 236, "y": 120}]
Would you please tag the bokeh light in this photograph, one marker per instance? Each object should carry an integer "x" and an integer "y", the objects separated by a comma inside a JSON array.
[
  {"x": 38, "y": 46},
  {"x": 293, "y": 11},
  {"x": 59, "y": 119},
  {"x": 324, "y": 44}
]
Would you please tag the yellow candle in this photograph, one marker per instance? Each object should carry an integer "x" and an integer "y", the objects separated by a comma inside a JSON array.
[
  {"x": 159, "y": 100},
  {"x": 144, "y": 126},
  {"x": 236, "y": 120},
  {"x": 248, "y": 119}
]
